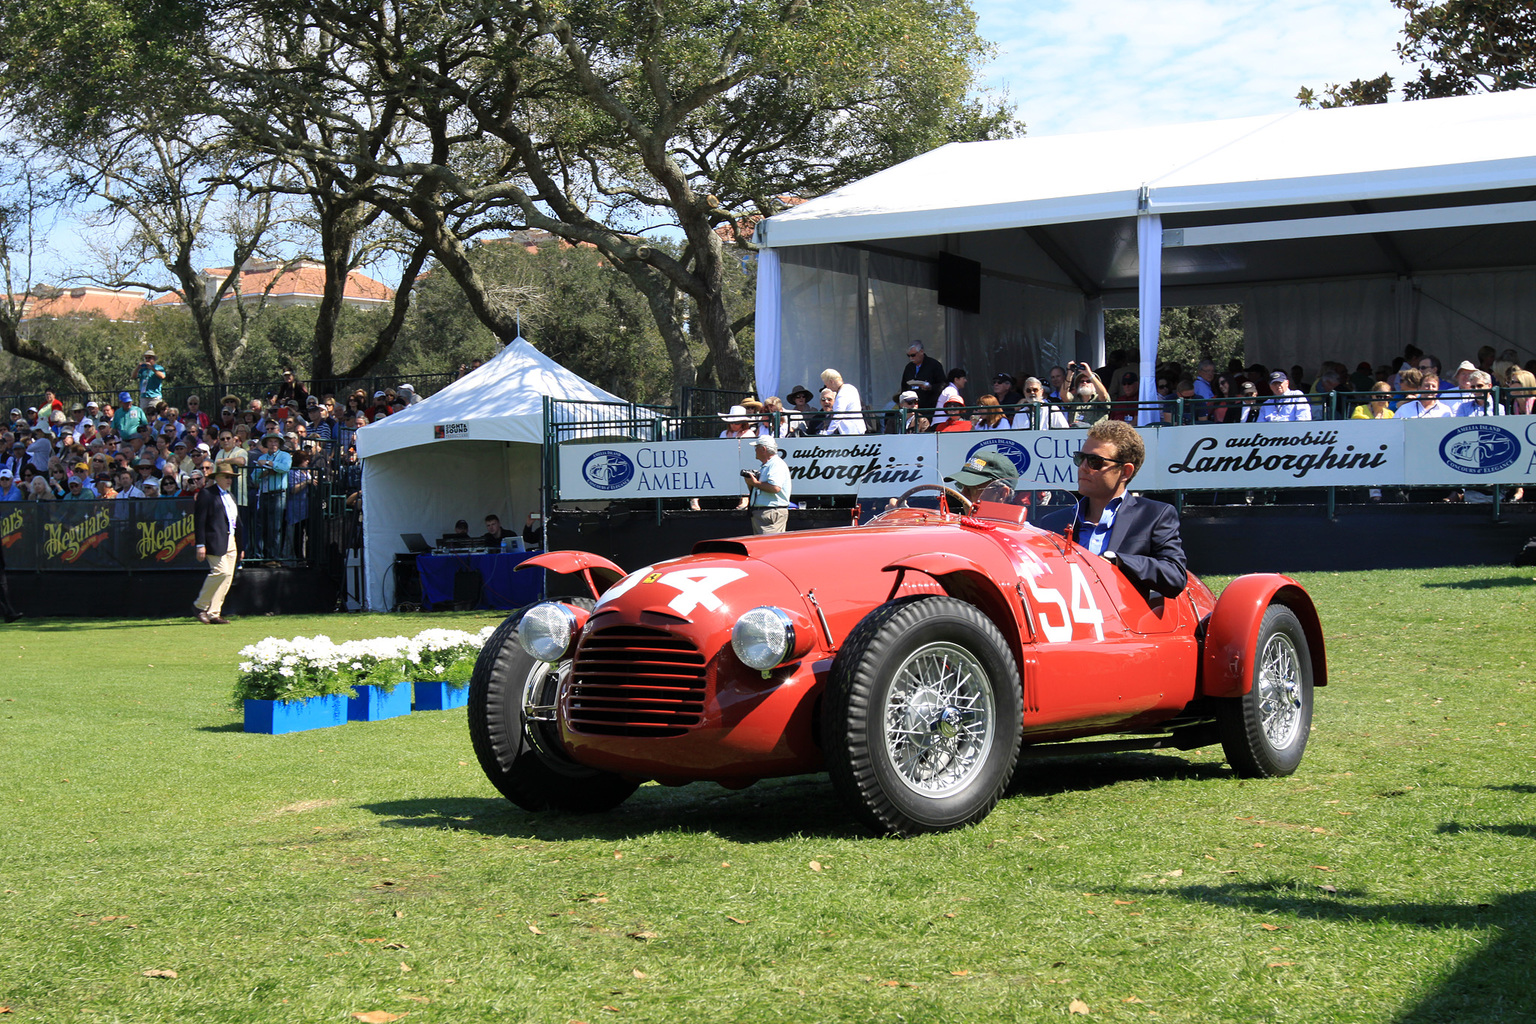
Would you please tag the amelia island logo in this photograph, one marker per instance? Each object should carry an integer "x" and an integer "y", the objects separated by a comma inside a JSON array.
[
  {"x": 1010, "y": 450},
  {"x": 608, "y": 470},
  {"x": 1479, "y": 448}
]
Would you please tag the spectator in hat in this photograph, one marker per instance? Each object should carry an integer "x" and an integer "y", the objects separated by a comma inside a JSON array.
[
  {"x": 151, "y": 377},
  {"x": 737, "y": 422},
  {"x": 768, "y": 488},
  {"x": 923, "y": 376},
  {"x": 846, "y": 404},
  {"x": 1248, "y": 405},
  {"x": 1005, "y": 390},
  {"x": 801, "y": 413},
  {"x": 8, "y": 489},
  {"x": 218, "y": 534},
  {"x": 269, "y": 475},
  {"x": 912, "y": 419},
  {"x": 128, "y": 420},
  {"x": 290, "y": 389},
  {"x": 1287, "y": 405},
  {"x": 954, "y": 419}
]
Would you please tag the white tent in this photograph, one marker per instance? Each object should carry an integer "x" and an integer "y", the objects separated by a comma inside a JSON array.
[
  {"x": 471, "y": 450},
  {"x": 1357, "y": 229}
]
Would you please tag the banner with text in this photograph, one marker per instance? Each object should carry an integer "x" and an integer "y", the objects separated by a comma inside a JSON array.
[
  {"x": 127, "y": 534},
  {"x": 1477, "y": 451}
]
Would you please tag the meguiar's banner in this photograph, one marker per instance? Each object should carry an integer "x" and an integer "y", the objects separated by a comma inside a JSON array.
[
  {"x": 129, "y": 534},
  {"x": 1452, "y": 452}
]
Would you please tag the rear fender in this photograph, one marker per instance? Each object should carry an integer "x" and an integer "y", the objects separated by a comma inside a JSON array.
[
  {"x": 599, "y": 573},
  {"x": 967, "y": 580},
  {"x": 1226, "y": 666}
]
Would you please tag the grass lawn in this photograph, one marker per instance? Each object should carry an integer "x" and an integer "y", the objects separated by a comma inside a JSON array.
[{"x": 371, "y": 867}]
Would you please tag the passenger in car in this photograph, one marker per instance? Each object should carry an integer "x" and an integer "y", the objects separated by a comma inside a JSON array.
[{"x": 1137, "y": 535}]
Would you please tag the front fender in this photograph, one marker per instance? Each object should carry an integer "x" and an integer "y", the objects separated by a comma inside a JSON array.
[
  {"x": 966, "y": 579},
  {"x": 599, "y": 573},
  {"x": 1226, "y": 666}
]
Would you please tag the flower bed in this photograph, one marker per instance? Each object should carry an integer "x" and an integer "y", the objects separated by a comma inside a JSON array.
[{"x": 304, "y": 667}]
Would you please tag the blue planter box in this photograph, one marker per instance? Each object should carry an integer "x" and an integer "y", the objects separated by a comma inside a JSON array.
[
  {"x": 372, "y": 704},
  {"x": 439, "y": 697},
  {"x": 275, "y": 718}
]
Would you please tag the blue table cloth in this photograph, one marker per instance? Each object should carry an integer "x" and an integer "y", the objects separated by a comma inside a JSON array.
[{"x": 502, "y": 587}]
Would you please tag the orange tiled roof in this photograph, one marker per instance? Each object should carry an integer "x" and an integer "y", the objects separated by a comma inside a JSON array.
[
  {"x": 303, "y": 281},
  {"x": 112, "y": 303}
]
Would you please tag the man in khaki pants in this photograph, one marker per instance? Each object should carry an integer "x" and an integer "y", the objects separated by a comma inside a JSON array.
[{"x": 217, "y": 532}]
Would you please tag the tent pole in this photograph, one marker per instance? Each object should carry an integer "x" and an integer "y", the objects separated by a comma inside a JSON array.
[{"x": 1149, "y": 273}]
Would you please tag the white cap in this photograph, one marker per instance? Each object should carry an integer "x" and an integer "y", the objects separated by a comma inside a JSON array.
[{"x": 766, "y": 441}]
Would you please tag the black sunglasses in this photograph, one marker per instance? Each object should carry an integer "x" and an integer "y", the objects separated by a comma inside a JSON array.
[{"x": 1097, "y": 463}]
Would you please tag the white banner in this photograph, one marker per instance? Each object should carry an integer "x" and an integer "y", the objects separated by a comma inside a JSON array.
[
  {"x": 1473, "y": 452},
  {"x": 1479, "y": 451}
]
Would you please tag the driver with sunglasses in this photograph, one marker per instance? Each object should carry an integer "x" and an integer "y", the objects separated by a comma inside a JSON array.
[{"x": 1138, "y": 535}]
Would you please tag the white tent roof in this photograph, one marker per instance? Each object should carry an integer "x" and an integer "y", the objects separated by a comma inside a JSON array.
[
  {"x": 1462, "y": 144},
  {"x": 503, "y": 400}
]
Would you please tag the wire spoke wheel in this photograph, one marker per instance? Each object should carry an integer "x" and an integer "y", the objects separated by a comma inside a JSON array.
[
  {"x": 923, "y": 716},
  {"x": 939, "y": 719},
  {"x": 1279, "y": 685},
  {"x": 1264, "y": 731}
]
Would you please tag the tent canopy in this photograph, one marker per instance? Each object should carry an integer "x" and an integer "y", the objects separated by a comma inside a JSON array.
[
  {"x": 1330, "y": 226},
  {"x": 503, "y": 400}
]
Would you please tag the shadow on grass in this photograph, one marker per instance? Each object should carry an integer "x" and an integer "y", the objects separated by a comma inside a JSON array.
[
  {"x": 1482, "y": 584},
  {"x": 767, "y": 812},
  {"x": 226, "y": 727},
  {"x": 1053, "y": 775},
  {"x": 772, "y": 810},
  {"x": 1491, "y": 985},
  {"x": 1517, "y": 787}
]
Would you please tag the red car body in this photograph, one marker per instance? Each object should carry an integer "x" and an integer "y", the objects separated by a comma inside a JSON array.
[{"x": 655, "y": 689}]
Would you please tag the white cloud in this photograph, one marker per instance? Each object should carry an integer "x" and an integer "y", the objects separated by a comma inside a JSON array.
[{"x": 1087, "y": 65}]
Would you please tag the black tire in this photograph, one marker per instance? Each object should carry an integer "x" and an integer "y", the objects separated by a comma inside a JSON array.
[
  {"x": 1264, "y": 732},
  {"x": 893, "y": 670},
  {"x": 533, "y": 775}
]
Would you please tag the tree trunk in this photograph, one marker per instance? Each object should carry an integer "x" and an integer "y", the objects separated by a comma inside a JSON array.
[
  {"x": 38, "y": 352},
  {"x": 391, "y": 331},
  {"x": 662, "y": 299}
]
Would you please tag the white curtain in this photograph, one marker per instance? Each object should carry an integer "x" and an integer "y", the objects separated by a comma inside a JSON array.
[
  {"x": 1149, "y": 294},
  {"x": 820, "y": 317},
  {"x": 767, "y": 324}
]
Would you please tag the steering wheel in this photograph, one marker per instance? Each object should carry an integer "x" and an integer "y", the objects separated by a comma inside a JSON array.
[{"x": 966, "y": 505}]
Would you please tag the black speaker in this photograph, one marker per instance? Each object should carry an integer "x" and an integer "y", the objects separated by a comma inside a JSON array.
[{"x": 959, "y": 281}]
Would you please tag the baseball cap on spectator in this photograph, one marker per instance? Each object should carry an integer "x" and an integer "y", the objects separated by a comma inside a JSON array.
[
  {"x": 1001, "y": 378},
  {"x": 766, "y": 442},
  {"x": 92, "y": 404},
  {"x": 1249, "y": 388},
  {"x": 407, "y": 389},
  {"x": 983, "y": 468},
  {"x": 31, "y": 408},
  {"x": 291, "y": 439},
  {"x": 149, "y": 351},
  {"x": 15, "y": 412},
  {"x": 378, "y": 394},
  {"x": 907, "y": 396},
  {"x": 5, "y": 473},
  {"x": 123, "y": 396},
  {"x": 81, "y": 467},
  {"x": 1465, "y": 365},
  {"x": 203, "y": 447},
  {"x": 1279, "y": 375}
]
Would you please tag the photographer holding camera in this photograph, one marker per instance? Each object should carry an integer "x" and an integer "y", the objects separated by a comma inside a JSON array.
[
  {"x": 151, "y": 377},
  {"x": 1085, "y": 400},
  {"x": 768, "y": 488}
]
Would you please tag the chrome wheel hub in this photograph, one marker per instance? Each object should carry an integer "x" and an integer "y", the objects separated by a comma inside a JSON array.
[
  {"x": 1279, "y": 691},
  {"x": 939, "y": 719}
]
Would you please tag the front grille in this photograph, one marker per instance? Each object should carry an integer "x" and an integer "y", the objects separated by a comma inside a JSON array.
[{"x": 631, "y": 680}]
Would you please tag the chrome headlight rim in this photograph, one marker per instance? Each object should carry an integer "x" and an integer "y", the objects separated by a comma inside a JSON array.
[
  {"x": 546, "y": 631},
  {"x": 755, "y": 652}
]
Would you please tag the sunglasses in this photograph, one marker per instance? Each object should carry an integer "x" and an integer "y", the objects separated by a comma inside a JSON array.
[{"x": 1097, "y": 463}]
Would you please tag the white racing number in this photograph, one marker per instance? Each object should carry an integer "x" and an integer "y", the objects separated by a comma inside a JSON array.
[
  {"x": 1082, "y": 611},
  {"x": 694, "y": 587}
]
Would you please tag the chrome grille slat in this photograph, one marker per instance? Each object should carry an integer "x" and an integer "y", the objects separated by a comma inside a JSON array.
[{"x": 632, "y": 680}]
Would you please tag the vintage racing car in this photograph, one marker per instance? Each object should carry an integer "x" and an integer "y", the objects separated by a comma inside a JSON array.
[{"x": 915, "y": 658}]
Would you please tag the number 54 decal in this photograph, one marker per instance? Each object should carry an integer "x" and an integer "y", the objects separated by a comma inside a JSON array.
[{"x": 1082, "y": 609}]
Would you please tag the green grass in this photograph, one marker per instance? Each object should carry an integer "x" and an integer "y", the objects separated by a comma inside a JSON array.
[{"x": 296, "y": 878}]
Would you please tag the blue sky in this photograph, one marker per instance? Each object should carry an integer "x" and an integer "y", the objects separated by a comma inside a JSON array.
[{"x": 1090, "y": 65}]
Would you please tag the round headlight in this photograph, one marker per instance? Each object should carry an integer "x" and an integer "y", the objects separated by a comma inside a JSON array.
[
  {"x": 545, "y": 631},
  {"x": 763, "y": 638}
]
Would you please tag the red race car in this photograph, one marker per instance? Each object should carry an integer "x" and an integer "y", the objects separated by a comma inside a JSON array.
[{"x": 915, "y": 658}]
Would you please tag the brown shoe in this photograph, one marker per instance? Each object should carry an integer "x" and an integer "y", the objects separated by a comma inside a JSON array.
[
  {"x": 204, "y": 618},
  {"x": 218, "y": 620}
]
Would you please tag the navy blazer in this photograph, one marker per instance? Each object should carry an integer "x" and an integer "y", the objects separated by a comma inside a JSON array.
[
  {"x": 210, "y": 523},
  {"x": 1145, "y": 539}
]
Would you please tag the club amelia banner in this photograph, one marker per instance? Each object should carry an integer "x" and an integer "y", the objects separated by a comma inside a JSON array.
[
  {"x": 1451, "y": 452},
  {"x": 131, "y": 534}
]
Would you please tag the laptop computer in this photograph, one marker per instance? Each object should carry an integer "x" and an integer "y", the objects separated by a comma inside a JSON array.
[{"x": 416, "y": 544}]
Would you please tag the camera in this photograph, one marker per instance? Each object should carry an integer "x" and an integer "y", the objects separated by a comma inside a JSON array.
[{"x": 747, "y": 474}]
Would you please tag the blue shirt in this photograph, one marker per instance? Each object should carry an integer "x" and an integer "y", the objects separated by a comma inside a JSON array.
[{"x": 1094, "y": 536}]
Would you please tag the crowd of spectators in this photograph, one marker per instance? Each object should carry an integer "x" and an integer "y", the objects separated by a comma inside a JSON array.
[
  {"x": 285, "y": 444},
  {"x": 928, "y": 398}
]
